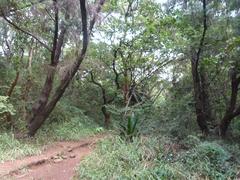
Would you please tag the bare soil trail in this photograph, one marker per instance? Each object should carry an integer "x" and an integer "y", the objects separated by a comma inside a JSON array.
[{"x": 57, "y": 162}]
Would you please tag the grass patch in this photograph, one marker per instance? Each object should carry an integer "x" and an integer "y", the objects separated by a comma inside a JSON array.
[
  {"x": 11, "y": 148},
  {"x": 73, "y": 128},
  {"x": 117, "y": 159},
  {"x": 151, "y": 158}
]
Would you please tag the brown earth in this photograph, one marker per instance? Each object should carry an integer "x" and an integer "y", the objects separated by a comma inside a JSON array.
[{"x": 57, "y": 162}]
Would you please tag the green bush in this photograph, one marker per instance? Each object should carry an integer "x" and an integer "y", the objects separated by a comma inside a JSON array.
[
  {"x": 5, "y": 108},
  {"x": 73, "y": 125},
  {"x": 210, "y": 160}
]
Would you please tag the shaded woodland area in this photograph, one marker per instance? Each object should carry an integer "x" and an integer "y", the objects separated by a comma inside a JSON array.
[{"x": 161, "y": 78}]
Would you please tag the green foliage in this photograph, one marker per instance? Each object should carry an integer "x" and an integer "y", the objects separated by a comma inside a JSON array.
[
  {"x": 69, "y": 123},
  {"x": 210, "y": 159},
  {"x": 6, "y": 106}
]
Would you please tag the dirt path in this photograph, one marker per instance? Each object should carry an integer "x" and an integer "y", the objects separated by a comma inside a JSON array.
[{"x": 57, "y": 162}]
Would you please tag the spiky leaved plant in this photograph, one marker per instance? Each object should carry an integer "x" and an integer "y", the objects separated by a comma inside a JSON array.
[{"x": 129, "y": 130}]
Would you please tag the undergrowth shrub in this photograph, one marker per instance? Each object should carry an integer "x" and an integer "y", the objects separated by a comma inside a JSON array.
[
  {"x": 177, "y": 117},
  {"x": 68, "y": 123},
  {"x": 5, "y": 108},
  {"x": 210, "y": 160}
]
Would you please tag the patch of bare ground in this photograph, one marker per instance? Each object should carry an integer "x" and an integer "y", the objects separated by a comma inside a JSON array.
[{"x": 57, "y": 161}]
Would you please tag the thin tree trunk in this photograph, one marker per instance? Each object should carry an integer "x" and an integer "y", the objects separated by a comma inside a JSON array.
[
  {"x": 8, "y": 116},
  {"x": 125, "y": 88},
  {"x": 13, "y": 85},
  {"x": 197, "y": 84},
  {"x": 225, "y": 122},
  {"x": 201, "y": 118},
  {"x": 106, "y": 117},
  {"x": 28, "y": 84}
]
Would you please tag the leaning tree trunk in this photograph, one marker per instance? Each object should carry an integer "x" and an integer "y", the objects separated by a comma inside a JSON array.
[
  {"x": 225, "y": 122},
  {"x": 39, "y": 106},
  {"x": 8, "y": 116},
  {"x": 44, "y": 112},
  {"x": 35, "y": 124}
]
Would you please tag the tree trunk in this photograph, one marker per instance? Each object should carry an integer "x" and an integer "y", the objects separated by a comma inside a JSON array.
[
  {"x": 225, "y": 122},
  {"x": 28, "y": 84},
  {"x": 205, "y": 97},
  {"x": 43, "y": 113},
  {"x": 199, "y": 104},
  {"x": 197, "y": 84},
  {"x": 231, "y": 111},
  {"x": 38, "y": 107},
  {"x": 8, "y": 116},
  {"x": 13, "y": 85},
  {"x": 45, "y": 106},
  {"x": 106, "y": 117},
  {"x": 125, "y": 88}
]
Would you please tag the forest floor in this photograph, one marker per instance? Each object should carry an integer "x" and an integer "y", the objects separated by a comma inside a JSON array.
[{"x": 57, "y": 161}]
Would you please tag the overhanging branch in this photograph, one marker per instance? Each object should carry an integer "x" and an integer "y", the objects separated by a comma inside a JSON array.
[{"x": 26, "y": 32}]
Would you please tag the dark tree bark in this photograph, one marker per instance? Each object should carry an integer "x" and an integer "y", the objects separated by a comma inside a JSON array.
[
  {"x": 46, "y": 106},
  {"x": 106, "y": 101},
  {"x": 199, "y": 104},
  {"x": 39, "y": 105},
  {"x": 207, "y": 108},
  {"x": 231, "y": 110},
  {"x": 107, "y": 117},
  {"x": 200, "y": 95},
  {"x": 13, "y": 85}
]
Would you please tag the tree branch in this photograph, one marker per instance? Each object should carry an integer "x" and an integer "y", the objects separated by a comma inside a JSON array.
[
  {"x": 55, "y": 38},
  {"x": 114, "y": 69},
  {"x": 203, "y": 33},
  {"x": 97, "y": 10},
  {"x": 26, "y": 32},
  {"x": 99, "y": 85}
]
